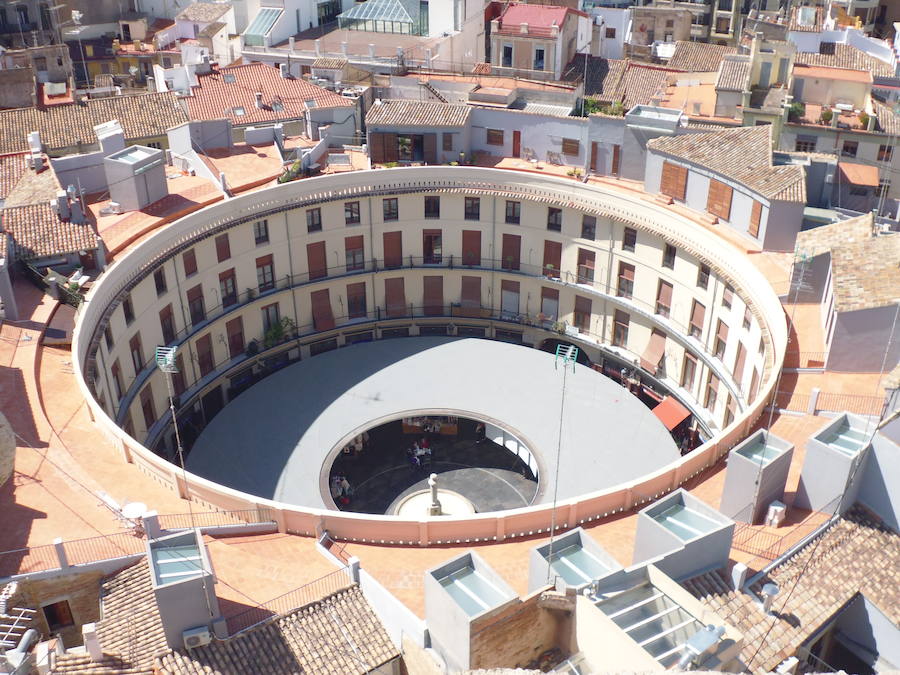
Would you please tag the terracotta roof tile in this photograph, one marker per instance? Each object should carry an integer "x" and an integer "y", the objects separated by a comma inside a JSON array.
[
  {"x": 603, "y": 75},
  {"x": 130, "y": 632},
  {"x": 847, "y": 57},
  {"x": 826, "y": 237},
  {"x": 329, "y": 63},
  {"x": 698, "y": 57},
  {"x": 417, "y": 114},
  {"x": 734, "y": 74},
  {"x": 540, "y": 19},
  {"x": 888, "y": 120},
  {"x": 857, "y": 554},
  {"x": 203, "y": 12},
  {"x": 748, "y": 159},
  {"x": 214, "y": 98},
  {"x": 640, "y": 84},
  {"x": 37, "y": 232},
  {"x": 12, "y": 168},
  {"x": 64, "y": 126},
  {"x": 339, "y": 635}
]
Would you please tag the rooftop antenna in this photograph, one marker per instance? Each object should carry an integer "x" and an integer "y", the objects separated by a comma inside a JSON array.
[{"x": 566, "y": 355}]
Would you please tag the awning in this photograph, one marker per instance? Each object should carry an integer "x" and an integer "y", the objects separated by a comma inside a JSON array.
[
  {"x": 654, "y": 352},
  {"x": 859, "y": 174},
  {"x": 671, "y": 413}
]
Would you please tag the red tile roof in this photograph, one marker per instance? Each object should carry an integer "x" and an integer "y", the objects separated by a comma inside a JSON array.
[
  {"x": 540, "y": 18},
  {"x": 213, "y": 98},
  {"x": 37, "y": 232},
  {"x": 12, "y": 167}
]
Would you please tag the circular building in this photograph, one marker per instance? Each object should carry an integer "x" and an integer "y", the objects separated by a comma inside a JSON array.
[{"x": 308, "y": 313}]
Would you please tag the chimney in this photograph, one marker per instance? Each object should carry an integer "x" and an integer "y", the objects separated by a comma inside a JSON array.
[
  {"x": 291, "y": 44},
  {"x": 62, "y": 205},
  {"x": 696, "y": 107},
  {"x": 835, "y": 116},
  {"x": 428, "y": 57},
  {"x": 151, "y": 83},
  {"x": 872, "y": 120},
  {"x": 371, "y": 51},
  {"x": 284, "y": 70},
  {"x": 318, "y": 44},
  {"x": 344, "y": 48},
  {"x": 92, "y": 642},
  {"x": 204, "y": 67},
  {"x": 769, "y": 591},
  {"x": 259, "y": 103},
  {"x": 523, "y": 28}
]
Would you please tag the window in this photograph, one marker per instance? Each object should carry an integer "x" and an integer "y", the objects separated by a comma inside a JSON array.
[
  {"x": 721, "y": 339},
  {"x": 513, "y": 212},
  {"x": 670, "y": 23},
  {"x": 108, "y": 337},
  {"x": 314, "y": 220},
  {"x": 688, "y": 371},
  {"x": 511, "y": 251},
  {"x": 271, "y": 316},
  {"x": 849, "y": 149},
  {"x": 353, "y": 253},
  {"x": 137, "y": 353},
  {"x": 712, "y": 386},
  {"x": 884, "y": 185},
  {"x": 664, "y": 298},
  {"x": 727, "y": 296},
  {"x": 390, "y": 209},
  {"x": 239, "y": 111},
  {"x": 620, "y": 328},
  {"x": 265, "y": 273},
  {"x": 433, "y": 296},
  {"x": 432, "y": 207},
  {"x": 570, "y": 146},
  {"x": 223, "y": 249},
  {"x": 58, "y": 615},
  {"x": 885, "y": 153},
  {"x": 473, "y": 208},
  {"x": 549, "y": 304},
  {"x": 356, "y": 300},
  {"x": 739, "y": 362},
  {"x": 746, "y": 322},
  {"x": 698, "y": 314},
  {"x": 755, "y": 219},
  {"x": 538, "y": 59},
  {"x": 703, "y": 276},
  {"x": 189, "y": 260},
  {"x": 227, "y": 288},
  {"x": 351, "y": 213},
  {"x": 805, "y": 144},
  {"x": 554, "y": 219},
  {"x": 494, "y": 136},
  {"x": 261, "y": 231},
  {"x": 393, "y": 249},
  {"x": 668, "y": 259},
  {"x": 673, "y": 180},
  {"x": 159, "y": 278},
  {"x": 205, "y": 361},
  {"x": 447, "y": 142},
  {"x": 167, "y": 324},
  {"x": 116, "y": 371},
  {"x": 506, "y": 59},
  {"x": 629, "y": 239},
  {"x": 235, "y": 331},
  {"x": 128, "y": 310},
  {"x": 588, "y": 227},
  {"x": 196, "y": 307},
  {"x": 316, "y": 261},
  {"x": 626, "y": 280},
  {"x": 471, "y": 248},
  {"x": 552, "y": 259},
  {"x": 718, "y": 199},
  {"x": 857, "y": 191},
  {"x": 610, "y": 33},
  {"x": 730, "y": 405},
  {"x": 582, "y": 315},
  {"x": 586, "y": 262},
  {"x": 431, "y": 247}
]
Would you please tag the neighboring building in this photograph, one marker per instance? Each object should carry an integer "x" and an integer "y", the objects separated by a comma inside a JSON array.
[
  {"x": 698, "y": 57},
  {"x": 27, "y": 23},
  {"x": 853, "y": 271},
  {"x": 143, "y": 46},
  {"x": 413, "y": 131},
  {"x": 538, "y": 40},
  {"x": 740, "y": 187},
  {"x": 212, "y": 25},
  {"x": 611, "y": 30},
  {"x": 256, "y": 94},
  {"x": 655, "y": 25}
]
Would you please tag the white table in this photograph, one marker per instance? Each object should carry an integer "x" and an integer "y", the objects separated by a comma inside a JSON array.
[{"x": 134, "y": 510}]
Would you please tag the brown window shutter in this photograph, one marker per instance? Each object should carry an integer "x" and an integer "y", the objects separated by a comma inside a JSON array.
[
  {"x": 315, "y": 257},
  {"x": 755, "y": 218},
  {"x": 616, "y": 159},
  {"x": 698, "y": 314},
  {"x": 353, "y": 243},
  {"x": 267, "y": 260},
  {"x": 429, "y": 148},
  {"x": 189, "y": 258},
  {"x": 195, "y": 293},
  {"x": 323, "y": 319},
  {"x": 394, "y": 297},
  {"x": 582, "y": 305},
  {"x": 376, "y": 147},
  {"x": 673, "y": 182},
  {"x": 147, "y": 406},
  {"x": 509, "y": 286},
  {"x": 664, "y": 294},
  {"x": 626, "y": 271},
  {"x": 235, "y": 331},
  {"x": 471, "y": 252},
  {"x": 722, "y": 331},
  {"x": 718, "y": 201},
  {"x": 393, "y": 249},
  {"x": 586, "y": 258},
  {"x": 470, "y": 297},
  {"x": 552, "y": 258},
  {"x": 739, "y": 363},
  {"x": 433, "y": 296},
  {"x": 203, "y": 345},
  {"x": 356, "y": 300},
  {"x": 391, "y": 151},
  {"x": 512, "y": 246},
  {"x": 549, "y": 293},
  {"x": 223, "y": 248}
]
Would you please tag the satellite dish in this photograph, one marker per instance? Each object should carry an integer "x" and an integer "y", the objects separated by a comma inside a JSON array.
[{"x": 133, "y": 70}]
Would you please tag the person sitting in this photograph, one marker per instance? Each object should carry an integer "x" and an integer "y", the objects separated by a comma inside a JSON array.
[{"x": 425, "y": 445}]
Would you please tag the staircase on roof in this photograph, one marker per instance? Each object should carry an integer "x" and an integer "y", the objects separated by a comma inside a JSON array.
[
  {"x": 434, "y": 92},
  {"x": 14, "y": 621}
]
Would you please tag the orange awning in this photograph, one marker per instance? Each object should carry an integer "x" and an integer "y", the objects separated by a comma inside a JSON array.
[
  {"x": 653, "y": 354},
  {"x": 671, "y": 413},
  {"x": 859, "y": 174}
]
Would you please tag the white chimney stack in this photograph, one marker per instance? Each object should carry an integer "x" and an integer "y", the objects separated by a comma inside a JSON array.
[
  {"x": 371, "y": 50},
  {"x": 523, "y": 28},
  {"x": 259, "y": 103},
  {"x": 92, "y": 642},
  {"x": 291, "y": 44},
  {"x": 769, "y": 591},
  {"x": 318, "y": 44}
]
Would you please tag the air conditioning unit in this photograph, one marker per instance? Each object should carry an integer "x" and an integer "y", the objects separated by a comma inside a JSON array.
[{"x": 196, "y": 637}]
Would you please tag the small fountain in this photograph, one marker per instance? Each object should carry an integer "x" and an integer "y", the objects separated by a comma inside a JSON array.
[{"x": 434, "y": 501}]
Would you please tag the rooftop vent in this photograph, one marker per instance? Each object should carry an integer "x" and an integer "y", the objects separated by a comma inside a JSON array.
[
  {"x": 769, "y": 591},
  {"x": 701, "y": 643},
  {"x": 523, "y": 28}
]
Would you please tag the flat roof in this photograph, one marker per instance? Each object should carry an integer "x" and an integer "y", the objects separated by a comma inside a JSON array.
[{"x": 826, "y": 73}]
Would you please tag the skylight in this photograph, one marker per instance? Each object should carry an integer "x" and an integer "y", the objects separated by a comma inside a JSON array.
[
  {"x": 239, "y": 110},
  {"x": 228, "y": 78}
]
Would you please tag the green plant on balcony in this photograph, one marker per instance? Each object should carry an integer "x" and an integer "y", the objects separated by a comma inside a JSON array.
[
  {"x": 293, "y": 173},
  {"x": 827, "y": 114},
  {"x": 796, "y": 111},
  {"x": 864, "y": 120},
  {"x": 279, "y": 332}
]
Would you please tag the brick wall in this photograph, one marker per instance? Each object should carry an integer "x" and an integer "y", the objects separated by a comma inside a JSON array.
[{"x": 516, "y": 635}]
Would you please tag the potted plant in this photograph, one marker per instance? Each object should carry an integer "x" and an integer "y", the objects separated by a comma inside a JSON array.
[
  {"x": 827, "y": 114},
  {"x": 252, "y": 348}
]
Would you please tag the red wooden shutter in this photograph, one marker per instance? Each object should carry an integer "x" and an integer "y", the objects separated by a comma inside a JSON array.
[
  {"x": 189, "y": 259},
  {"x": 512, "y": 245},
  {"x": 323, "y": 319},
  {"x": 673, "y": 181},
  {"x": 552, "y": 258},
  {"x": 654, "y": 352},
  {"x": 429, "y": 148},
  {"x": 755, "y": 218},
  {"x": 698, "y": 314},
  {"x": 356, "y": 300},
  {"x": 470, "y": 297},
  {"x": 471, "y": 251},
  {"x": 433, "y": 295},
  {"x": 203, "y": 345},
  {"x": 739, "y": 363},
  {"x": 394, "y": 297},
  {"x": 718, "y": 201},
  {"x": 616, "y": 160},
  {"x": 393, "y": 249},
  {"x": 235, "y": 331},
  {"x": 315, "y": 258},
  {"x": 391, "y": 151},
  {"x": 376, "y": 147},
  {"x": 223, "y": 248}
]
